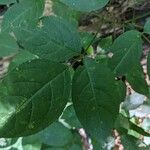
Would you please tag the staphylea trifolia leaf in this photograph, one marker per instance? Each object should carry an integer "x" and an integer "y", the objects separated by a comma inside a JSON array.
[
  {"x": 57, "y": 40},
  {"x": 86, "y": 39},
  {"x": 5, "y": 2},
  {"x": 126, "y": 51},
  {"x": 105, "y": 43},
  {"x": 85, "y": 5},
  {"x": 55, "y": 131},
  {"x": 70, "y": 117},
  {"x": 32, "y": 96},
  {"x": 129, "y": 142},
  {"x": 31, "y": 143},
  {"x": 24, "y": 13},
  {"x": 22, "y": 57},
  {"x": 148, "y": 64},
  {"x": 122, "y": 124},
  {"x": 68, "y": 139},
  {"x": 60, "y": 10},
  {"x": 8, "y": 45},
  {"x": 147, "y": 27},
  {"x": 137, "y": 80},
  {"x": 96, "y": 98},
  {"x": 23, "y": 33}
]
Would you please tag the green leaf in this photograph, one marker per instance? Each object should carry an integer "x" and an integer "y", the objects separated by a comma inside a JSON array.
[
  {"x": 54, "y": 132},
  {"x": 147, "y": 27},
  {"x": 8, "y": 45},
  {"x": 31, "y": 143},
  {"x": 23, "y": 34},
  {"x": 96, "y": 98},
  {"x": 75, "y": 147},
  {"x": 85, "y": 5},
  {"x": 106, "y": 43},
  {"x": 68, "y": 139},
  {"x": 129, "y": 142},
  {"x": 122, "y": 124},
  {"x": 137, "y": 80},
  {"x": 60, "y": 10},
  {"x": 86, "y": 39},
  {"x": 127, "y": 50},
  {"x": 70, "y": 117},
  {"x": 148, "y": 64},
  {"x": 22, "y": 57},
  {"x": 56, "y": 148},
  {"x": 24, "y": 13},
  {"x": 57, "y": 40},
  {"x": 5, "y": 2},
  {"x": 32, "y": 96}
]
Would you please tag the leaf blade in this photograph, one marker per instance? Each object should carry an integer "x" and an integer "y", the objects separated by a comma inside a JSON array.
[
  {"x": 59, "y": 44},
  {"x": 95, "y": 99},
  {"x": 24, "y": 13},
  {"x": 8, "y": 45},
  {"x": 85, "y": 5},
  {"x": 4, "y": 2},
  {"x": 30, "y": 97},
  {"x": 147, "y": 27}
]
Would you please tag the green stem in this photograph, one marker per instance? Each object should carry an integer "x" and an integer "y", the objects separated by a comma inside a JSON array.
[
  {"x": 146, "y": 38},
  {"x": 138, "y": 17},
  {"x": 92, "y": 41},
  {"x": 137, "y": 26}
]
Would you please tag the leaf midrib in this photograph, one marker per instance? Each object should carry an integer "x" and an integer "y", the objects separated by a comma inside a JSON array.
[
  {"x": 94, "y": 96},
  {"x": 123, "y": 58},
  {"x": 24, "y": 104}
]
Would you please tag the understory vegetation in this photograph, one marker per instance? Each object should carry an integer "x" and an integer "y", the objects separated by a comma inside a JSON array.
[{"x": 78, "y": 75}]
